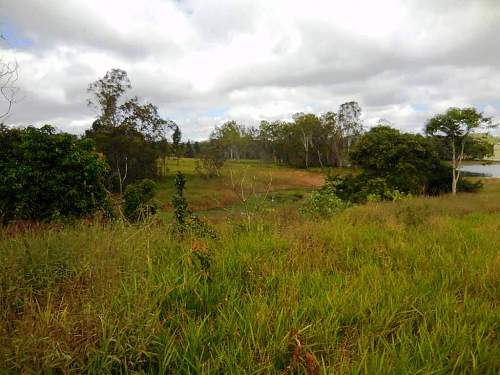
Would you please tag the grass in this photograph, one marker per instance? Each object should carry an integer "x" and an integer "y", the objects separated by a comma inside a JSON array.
[
  {"x": 386, "y": 288},
  {"x": 225, "y": 190}
]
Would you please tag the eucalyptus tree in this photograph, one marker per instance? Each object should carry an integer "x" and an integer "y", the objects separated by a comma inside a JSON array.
[
  {"x": 455, "y": 127},
  {"x": 131, "y": 133}
]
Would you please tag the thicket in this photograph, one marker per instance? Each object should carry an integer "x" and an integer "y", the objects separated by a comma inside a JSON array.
[{"x": 46, "y": 175}]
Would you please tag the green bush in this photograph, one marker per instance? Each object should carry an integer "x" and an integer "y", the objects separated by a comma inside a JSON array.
[
  {"x": 46, "y": 175},
  {"x": 323, "y": 203},
  {"x": 138, "y": 200},
  {"x": 394, "y": 161}
]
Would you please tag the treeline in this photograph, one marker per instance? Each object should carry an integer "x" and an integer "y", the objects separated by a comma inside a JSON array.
[{"x": 306, "y": 141}]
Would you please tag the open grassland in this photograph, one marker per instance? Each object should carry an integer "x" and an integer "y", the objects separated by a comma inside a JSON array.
[
  {"x": 254, "y": 177},
  {"x": 386, "y": 288}
]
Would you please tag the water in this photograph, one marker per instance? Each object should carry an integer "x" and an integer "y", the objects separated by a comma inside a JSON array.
[{"x": 487, "y": 170}]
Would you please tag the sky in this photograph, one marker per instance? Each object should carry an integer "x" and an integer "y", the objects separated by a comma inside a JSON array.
[{"x": 205, "y": 62}]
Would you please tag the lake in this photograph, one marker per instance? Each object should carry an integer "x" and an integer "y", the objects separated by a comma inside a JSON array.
[{"x": 488, "y": 170}]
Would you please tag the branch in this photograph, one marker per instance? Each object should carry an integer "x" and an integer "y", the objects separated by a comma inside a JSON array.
[{"x": 8, "y": 77}]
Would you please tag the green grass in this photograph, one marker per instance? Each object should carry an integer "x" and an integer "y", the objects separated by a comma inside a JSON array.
[
  {"x": 386, "y": 288},
  {"x": 223, "y": 191}
]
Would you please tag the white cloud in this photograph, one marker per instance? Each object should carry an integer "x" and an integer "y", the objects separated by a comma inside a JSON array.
[{"x": 205, "y": 61}]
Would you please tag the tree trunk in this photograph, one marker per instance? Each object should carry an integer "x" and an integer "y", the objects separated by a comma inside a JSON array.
[{"x": 455, "y": 175}]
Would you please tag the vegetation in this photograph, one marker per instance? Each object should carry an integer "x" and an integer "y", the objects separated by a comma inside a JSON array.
[
  {"x": 275, "y": 278},
  {"x": 139, "y": 200},
  {"x": 131, "y": 134},
  {"x": 46, "y": 175},
  {"x": 455, "y": 128},
  {"x": 389, "y": 288}
]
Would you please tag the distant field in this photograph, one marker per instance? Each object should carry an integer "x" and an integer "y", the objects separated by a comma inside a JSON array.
[
  {"x": 224, "y": 190},
  {"x": 385, "y": 288}
]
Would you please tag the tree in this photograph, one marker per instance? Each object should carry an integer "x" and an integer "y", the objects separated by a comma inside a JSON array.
[
  {"x": 8, "y": 90},
  {"x": 176, "y": 140},
  {"x": 405, "y": 161},
  {"x": 350, "y": 126},
  {"x": 306, "y": 125},
  {"x": 229, "y": 137},
  {"x": 129, "y": 154},
  {"x": 105, "y": 95},
  {"x": 189, "y": 151},
  {"x": 456, "y": 127},
  {"x": 131, "y": 134},
  {"x": 44, "y": 174}
]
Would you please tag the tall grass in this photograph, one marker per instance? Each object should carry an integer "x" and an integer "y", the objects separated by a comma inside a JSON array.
[{"x": 388, "y": 288}]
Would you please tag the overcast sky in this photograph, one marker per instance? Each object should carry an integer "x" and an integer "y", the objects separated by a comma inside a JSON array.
[{"x": 203, "y": 62}]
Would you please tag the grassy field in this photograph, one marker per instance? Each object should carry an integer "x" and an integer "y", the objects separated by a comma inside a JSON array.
[
  {"x": 386, "y": 288},
  {"x": 255, "y": 177}
]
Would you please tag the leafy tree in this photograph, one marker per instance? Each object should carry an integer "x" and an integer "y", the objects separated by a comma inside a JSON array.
[
  {"x": 125, "y": 128},
  {"x": 176, "y": 140},
  {"x": 229, "y": 136},
  {"x": 408, "y": 163},
  {"x": 129, "y": 154},
  {"x": 456, "y": 126},
  {"x": 308, "y": 127},
  {"x": 476, "y": 147},
  {"x": 44, "y": 174},
  {"x": 105, "y": 95},
  {"x": 350, "y": 126}
]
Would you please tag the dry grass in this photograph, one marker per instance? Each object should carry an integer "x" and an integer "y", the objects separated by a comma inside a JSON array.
[{"x": 388, "y": 288}]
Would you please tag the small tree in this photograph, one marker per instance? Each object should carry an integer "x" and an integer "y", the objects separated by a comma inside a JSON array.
[
  {"x": 179, "y": 202},
  {"x": 456, "y": 126},
  {"x": 176, "y": 140}
]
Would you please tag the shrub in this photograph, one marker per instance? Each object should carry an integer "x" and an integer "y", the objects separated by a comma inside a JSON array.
[
  {"x": 138, "y": 200},
  {"x": 184, "y": 218},
  {"x": 363, "y": 188},
  {"x": 45, "y": 175},
  {"x": 323, "y": 203}
]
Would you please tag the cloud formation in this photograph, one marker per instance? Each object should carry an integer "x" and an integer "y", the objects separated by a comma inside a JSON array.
[{"x": 203, "y": 62}]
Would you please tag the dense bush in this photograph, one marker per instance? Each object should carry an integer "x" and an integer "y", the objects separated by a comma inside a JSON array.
[
  {"x": 138, "y": 200},
  {"x": 44, "y": 174},
  {"x": 395, "y": 164},
  {"x": 323, "y": 203},
  {"x": 362, "y": 188}
]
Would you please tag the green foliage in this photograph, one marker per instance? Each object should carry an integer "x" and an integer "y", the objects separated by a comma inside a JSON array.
[
  {"x": 362, "y": 188},
  {"x": 130, "y": 133},
  {"x": 185, "y": 220},
  {"x": 131, "y": 157},
  {"x": 139, "y": 200},
  {"x": 323, "y": 203},
  {"x": 212, "y": 159},
  {"x": 455, "y": 128},
  {"x": 179, "y": 202},
  {"x": 393, "y": 161},
  {"x": 45, "y": 175}
]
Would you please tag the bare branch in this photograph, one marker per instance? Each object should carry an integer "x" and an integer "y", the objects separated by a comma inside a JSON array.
[{"x": 8, "y": 77}]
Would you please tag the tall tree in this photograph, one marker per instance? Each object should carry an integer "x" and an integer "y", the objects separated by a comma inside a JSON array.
[
  {"x": 456, "y": 127},
  {"x": 351, "y": 126},
  {"x": 105, "y": 94},
  {"x": 130, "y": 133},
  {"x": 176, "y": 140}
]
